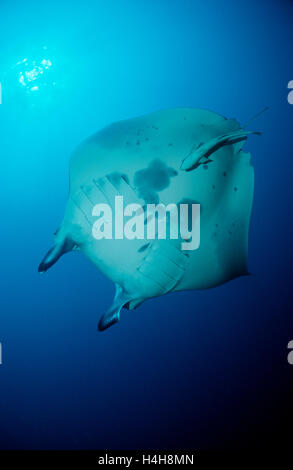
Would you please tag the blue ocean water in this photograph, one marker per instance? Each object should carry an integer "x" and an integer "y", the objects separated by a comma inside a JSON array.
[{"x": 201, "y": 369}]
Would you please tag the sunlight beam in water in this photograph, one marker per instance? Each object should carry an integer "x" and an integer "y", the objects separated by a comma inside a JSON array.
[{"x": 34, "y": 71}]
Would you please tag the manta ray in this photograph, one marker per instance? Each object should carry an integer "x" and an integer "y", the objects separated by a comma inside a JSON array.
[{"x": 183, "y": 155}]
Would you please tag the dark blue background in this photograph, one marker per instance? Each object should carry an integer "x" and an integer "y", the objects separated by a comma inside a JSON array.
[{"x": 202, "y": 369}]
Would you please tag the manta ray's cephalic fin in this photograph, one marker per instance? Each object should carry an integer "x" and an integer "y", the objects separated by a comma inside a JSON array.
[
  {"x": 197, "y": 155},
  {"x": 55, "y": 253},
  {"x": 113, "y": 314}
]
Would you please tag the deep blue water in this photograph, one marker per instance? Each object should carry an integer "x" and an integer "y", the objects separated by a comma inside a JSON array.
[{"x": 199, "y": 369}]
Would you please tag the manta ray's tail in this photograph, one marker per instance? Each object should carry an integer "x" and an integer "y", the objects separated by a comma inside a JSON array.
[{"x": 55, "y": 253}]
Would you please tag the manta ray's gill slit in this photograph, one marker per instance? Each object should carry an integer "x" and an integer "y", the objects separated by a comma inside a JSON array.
[
  {"x": 180, "y": 271},
  {"x": 143, "y": 248},
  {"x": 150, "y": 277}
]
